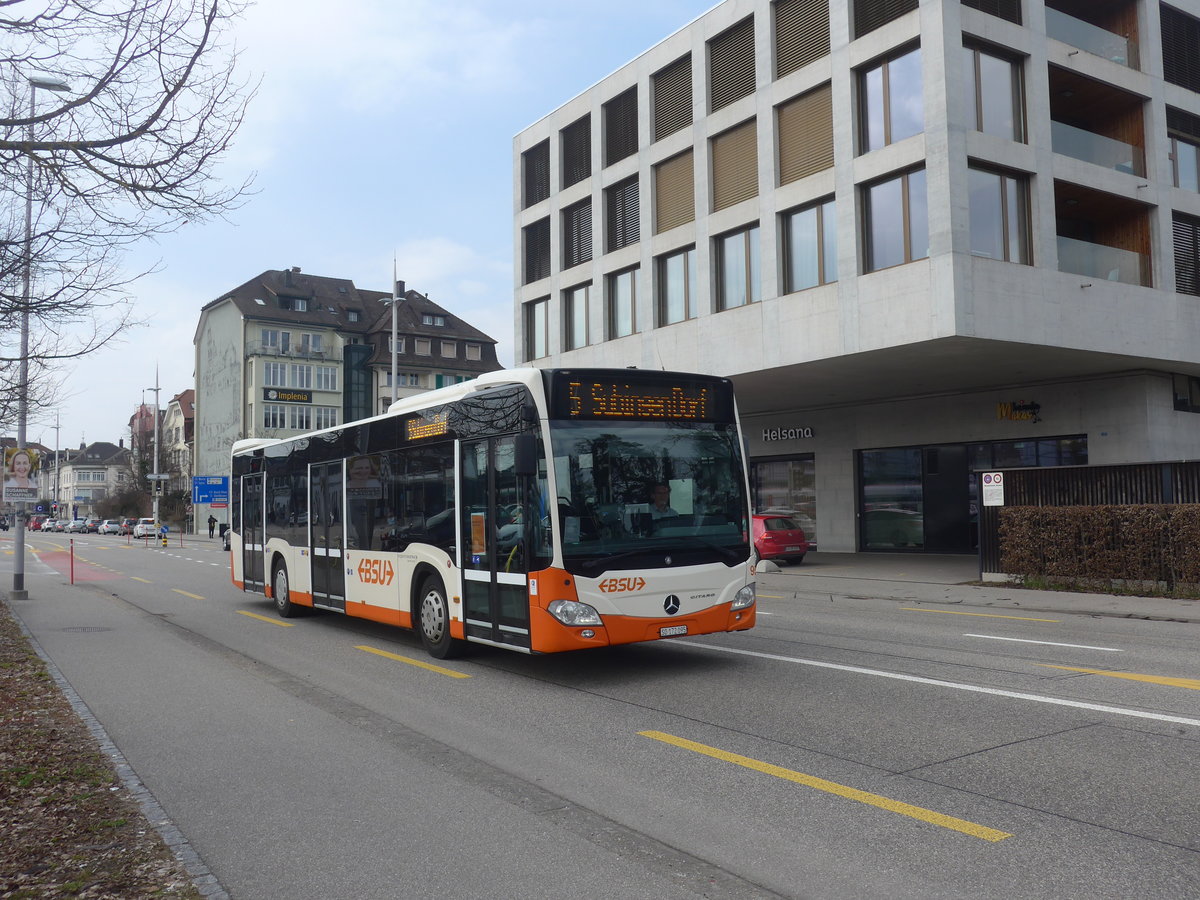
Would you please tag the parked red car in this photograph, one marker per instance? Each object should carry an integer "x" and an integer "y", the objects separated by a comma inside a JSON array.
[{"x": 779, "y": 537}]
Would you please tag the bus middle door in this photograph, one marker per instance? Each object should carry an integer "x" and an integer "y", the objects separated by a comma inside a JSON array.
[
  {"x": 253, "y": 523},
  {"x": 492, "y": 549},
  {"x": 326, "y": 535}
]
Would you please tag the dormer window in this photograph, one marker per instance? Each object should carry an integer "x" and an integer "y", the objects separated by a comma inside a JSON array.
[
  {"x": 352, "y": 315},
  {"x": 301, "y": 304},
  {"x": 430, "y": 319}
]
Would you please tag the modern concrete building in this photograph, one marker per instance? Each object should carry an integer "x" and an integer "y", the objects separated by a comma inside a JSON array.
[
  {"x": 925, "y": 239},
  {"x": 288, "y": 352}
]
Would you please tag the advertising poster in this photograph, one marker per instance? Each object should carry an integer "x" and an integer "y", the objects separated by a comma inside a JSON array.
[{"x": 20, "y": 475}]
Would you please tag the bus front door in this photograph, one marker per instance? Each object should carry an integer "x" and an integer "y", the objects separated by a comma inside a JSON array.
[
  {"x": 492, "y": 549},
  {"x": 326, "y": 535},
  {"x": 253, "y": 522}
]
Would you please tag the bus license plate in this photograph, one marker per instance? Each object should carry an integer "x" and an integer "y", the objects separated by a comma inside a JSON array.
[{"x": 672, "y": 630}]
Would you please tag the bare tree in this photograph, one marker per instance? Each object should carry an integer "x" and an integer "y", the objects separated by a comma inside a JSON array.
[{"x": 127, "y": 152}]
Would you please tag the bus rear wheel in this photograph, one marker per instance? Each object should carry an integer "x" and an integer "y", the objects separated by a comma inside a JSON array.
[
  {"x": 433, "y": 613},
  {"x": 281, "y": 593}
]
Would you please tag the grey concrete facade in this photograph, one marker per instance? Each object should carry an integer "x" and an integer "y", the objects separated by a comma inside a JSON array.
[{"x": 917, "y": 353}]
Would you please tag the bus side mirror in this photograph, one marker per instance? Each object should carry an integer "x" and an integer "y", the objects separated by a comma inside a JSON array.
[{"x": 525, "y": 454}]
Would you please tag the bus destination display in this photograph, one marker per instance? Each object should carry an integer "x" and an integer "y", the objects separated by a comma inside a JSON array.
[{"x": 654, "y": 399}]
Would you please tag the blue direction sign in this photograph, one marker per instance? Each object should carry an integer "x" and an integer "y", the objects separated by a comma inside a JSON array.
[{"x": 210, "y": 489}]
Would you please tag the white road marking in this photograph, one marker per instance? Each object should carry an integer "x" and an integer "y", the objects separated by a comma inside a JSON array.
[
  {"x": 996, "y": 637},
  {"x": 978, "y": 689}
]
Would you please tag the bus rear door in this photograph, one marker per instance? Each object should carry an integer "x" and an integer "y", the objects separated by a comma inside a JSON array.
[{"x": 326, "y": 535}]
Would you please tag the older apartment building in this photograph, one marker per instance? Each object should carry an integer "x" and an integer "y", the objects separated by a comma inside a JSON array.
[
  {"x": 289, "y": 352},
  {"x": 925, "y": 239}
]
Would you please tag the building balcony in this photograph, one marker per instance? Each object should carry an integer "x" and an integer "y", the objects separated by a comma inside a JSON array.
[
  {"x": 1096, "y": 148},
  {"x": 1097, "y": 122},
  {"x": 258, "y": 349},
  {"x": 1091, "y": 38},
  {"x": 1101, "y": 262},
  {"x": 1101, "y": 236}
]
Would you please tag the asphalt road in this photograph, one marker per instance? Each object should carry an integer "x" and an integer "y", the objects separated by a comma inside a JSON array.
[{"x": 845, "y": 748}]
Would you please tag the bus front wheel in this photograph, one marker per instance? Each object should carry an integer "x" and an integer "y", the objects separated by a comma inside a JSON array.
[
  {"x": 281, "y": 593},
  {"x": 434, "y": 620}
]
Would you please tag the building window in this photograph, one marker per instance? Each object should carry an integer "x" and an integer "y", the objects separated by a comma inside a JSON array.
[
  {"x": 801, "y": 34},
  {"x": 273, "y": 415},
  {"x": 738, "y": 281},
  {"x": 301, "y": 376},
  {"x": 474, "y": 352},
  {"x": 310, "y": 343},
  {"x": 352, "y": 315},
  {"x": 677, "y": 287},
  {"x": 537, "y": 328},
  {"x": 872, "y": 14},
  {"x": 301, "y": 304},
  {"x": 810, "y": 247},
  {"x": 577, "y": 233},
  {"x": 805, "y": 135},
  {"x": 996, "y": 92},
  {"x": 274, "y": 374},
  {"x": 1003, "y": 9},
  {"x": 300, "y": 417},
  {"x": 674, "y": 192},
  {"x": 1180, "y": 47},
  {"x": 897, "y": 221},
  {"x": 621, "y": 126},
  {"x": 576, "y": 151},
  {"x": 1184, "y": 131},
  {"x": 398, "y": 346},
  {"x": 672, "y": 91},
  {"x": 731, "y": 64},
  {"x": 325, "y": 416},
  {"x": 450, "y": 349},
  {"x": 999, "y": 215},
  {"x": 891, "y": 101},
  {"x": 432, "y": 319},
  {"x": 280, "y": 341},
  {"x": 621, "y": 201},
  {"x": 1187, "y": 253},
  {"x": 622, "y": 298},
  {"x": 424, "y": 347},
  {"x": 735, "y": 165},
  {"x": 327, "y": 378},
  {"x": 575, "y": 316},
  {"x": 535, "y": 173},
  {"x": 537, "y": 250}
]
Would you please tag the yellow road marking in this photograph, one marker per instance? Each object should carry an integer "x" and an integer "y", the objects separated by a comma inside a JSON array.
[
  {"x": 1191, "y": 684},
  {"x": 266, "y": 619},
  {"x": 954, "y": 612},
  {"x": 820, "y": 784},
  {"x": 186, "y": 594},
  {"x": 142, "y": 580},
  {"x": 771, "y": 596},
  {"x": 421, "y": 664}
]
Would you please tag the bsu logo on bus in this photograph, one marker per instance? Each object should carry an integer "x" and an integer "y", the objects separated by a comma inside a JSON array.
[
  {"x": 621, "y": 585},
  {"x": 375, "y": 571}
]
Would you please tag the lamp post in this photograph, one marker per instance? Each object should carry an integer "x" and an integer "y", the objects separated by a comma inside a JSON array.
[
  {"x": 154, "y": 477},
  {"x": 48, "y": 84},
  {"x": 397, "y": 293}
]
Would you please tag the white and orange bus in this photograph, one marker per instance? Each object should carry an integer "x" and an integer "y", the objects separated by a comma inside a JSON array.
[{"x": 537, "y": 510}]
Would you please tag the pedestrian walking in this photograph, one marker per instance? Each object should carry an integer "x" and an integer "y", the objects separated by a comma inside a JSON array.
[{"x": 212, "y": 525}]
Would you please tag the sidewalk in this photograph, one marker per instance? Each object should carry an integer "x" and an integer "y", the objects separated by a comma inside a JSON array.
[{"x": 947, "y": 580}]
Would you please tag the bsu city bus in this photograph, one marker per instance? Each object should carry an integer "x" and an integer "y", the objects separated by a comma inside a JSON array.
[{"x": 534, "y": 510}]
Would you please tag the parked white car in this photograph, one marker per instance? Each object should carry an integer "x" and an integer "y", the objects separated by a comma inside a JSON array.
[
  {"x": 143, "y": 528},
  {"x": 109, "y": 526}
]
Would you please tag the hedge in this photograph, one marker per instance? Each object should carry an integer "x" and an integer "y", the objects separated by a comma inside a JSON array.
[{"x": 1151, "y": 544}]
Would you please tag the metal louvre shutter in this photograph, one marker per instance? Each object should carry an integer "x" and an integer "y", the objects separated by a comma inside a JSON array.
[
  {"x": 735, "y": 165},
  {"x": 801, "y": 34},
  {"x": 1181, "y": 48},
  {"x": 577, "y": 233},
  {"x": 674, "y": 192},
  {"x": 536, "y": 172},
  {"x": 622, "y": 212},
  {"x": 672, "y": 88},
  {"x": 537, "y": 250},
  {"x": 871, "y": 14},
  {"x": 806, "y": 135},
  {"x": 621, "y": 126},
  {"x": 1187, "y": 253},
  {"x": 1183, "y": 124},
  {"x": 731, "y": 64},
  {"x": 1003, "y": 9},
  {"x": 577, "y": 151}
]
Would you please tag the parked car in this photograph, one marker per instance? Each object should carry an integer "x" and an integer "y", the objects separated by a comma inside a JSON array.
[
  {"x": 109, "y": 526},
  {"x": 36, "y": 522},
  {"x": 77, "y": 526},
  {"x": 92, "y": 525},
  {"x": 143, "y": 528},
  {"x": 3, "y": 523},
  {"x": 779, "y": 537},
  {"x": 127, "y": 526},
  {"x": 55, "y": 525}
]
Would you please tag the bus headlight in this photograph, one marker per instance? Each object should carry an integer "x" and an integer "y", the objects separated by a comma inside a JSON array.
[
  {"x": 744, "y": 598},
  {"x": 572, "y": 612}
]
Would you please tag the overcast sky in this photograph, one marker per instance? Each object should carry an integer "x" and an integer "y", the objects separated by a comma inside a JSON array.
[{"x": 382, "y": 127}]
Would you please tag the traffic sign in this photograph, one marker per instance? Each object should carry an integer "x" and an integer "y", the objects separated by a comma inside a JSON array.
[{"x": 210, "y": 489}]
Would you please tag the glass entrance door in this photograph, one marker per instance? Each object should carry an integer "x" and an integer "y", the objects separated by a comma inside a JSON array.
[
  {"x": 253, "y": 521},
  {"x": 326, "y": 535},
  {"x": 495, "y": 523}
]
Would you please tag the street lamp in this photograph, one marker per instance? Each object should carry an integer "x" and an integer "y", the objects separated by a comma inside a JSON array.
[
  {"x": 154, "y": 477},
  {"x": 397, "y": 292},
  {"x": 46, "y": 83}
]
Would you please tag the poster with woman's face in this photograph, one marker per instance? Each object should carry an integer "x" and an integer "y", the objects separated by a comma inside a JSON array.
[{"x": 20, "y": 474}]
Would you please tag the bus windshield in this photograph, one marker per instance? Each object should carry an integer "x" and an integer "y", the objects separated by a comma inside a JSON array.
[{"x": 648, "y": 494}]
